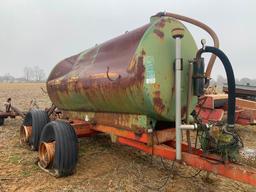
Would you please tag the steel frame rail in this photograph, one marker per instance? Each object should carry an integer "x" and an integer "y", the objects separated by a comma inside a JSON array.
[{"x": 166, "y": 149}]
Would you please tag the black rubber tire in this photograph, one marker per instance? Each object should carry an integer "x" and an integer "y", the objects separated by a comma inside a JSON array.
[
  {"x": 37, "y": 119},
  {"x": 1, "y": 121},
  {"x": 66, "y": 146}
]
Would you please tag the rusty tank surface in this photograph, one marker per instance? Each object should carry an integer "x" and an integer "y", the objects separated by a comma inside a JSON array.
[{"x": 131, "y": 74}]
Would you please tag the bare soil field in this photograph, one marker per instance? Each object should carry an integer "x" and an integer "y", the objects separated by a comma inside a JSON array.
[{"x": 102, "y": 165}]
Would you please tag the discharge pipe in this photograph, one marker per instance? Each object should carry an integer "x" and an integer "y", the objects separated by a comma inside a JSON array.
[
  {"x": 204, "y": 27},
  {"x": 177, "y": 34},
  {"x": 230, "y": 77}
]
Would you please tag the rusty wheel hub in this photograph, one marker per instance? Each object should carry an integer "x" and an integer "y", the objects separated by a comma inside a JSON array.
[
  {"x": 46, "y": 153},
  {"x": 25, "y": 133}
]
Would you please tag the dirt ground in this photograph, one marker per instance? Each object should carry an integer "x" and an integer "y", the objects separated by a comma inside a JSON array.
[{"x": 102, "y": 166}]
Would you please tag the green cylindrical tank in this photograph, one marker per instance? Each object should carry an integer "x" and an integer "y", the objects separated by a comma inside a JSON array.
[{"x": 132, "y": 74}]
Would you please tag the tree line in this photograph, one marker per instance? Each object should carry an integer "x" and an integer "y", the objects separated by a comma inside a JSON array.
[
  {"x": 243, "y": 81},
  {"x": 30, "y": 74}
]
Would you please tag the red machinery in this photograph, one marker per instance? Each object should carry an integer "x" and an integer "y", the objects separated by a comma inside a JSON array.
[{"x": 213, "y": 108}]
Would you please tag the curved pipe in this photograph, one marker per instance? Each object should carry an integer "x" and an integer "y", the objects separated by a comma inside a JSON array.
[
  {"x": 230, "y": 77},
  {"x": 204, "y": 27}
]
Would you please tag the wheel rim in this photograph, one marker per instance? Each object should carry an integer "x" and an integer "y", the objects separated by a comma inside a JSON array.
[
  {"x": 46, "y": 153},
  {"x": 25, "y": 134}
]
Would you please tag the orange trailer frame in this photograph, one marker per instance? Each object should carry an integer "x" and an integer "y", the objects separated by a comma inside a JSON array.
[{"x": 165, "y": 148}]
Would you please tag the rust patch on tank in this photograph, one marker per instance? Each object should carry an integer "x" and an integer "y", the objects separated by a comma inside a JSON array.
[
  {"x": 160, "y": 24},
  {"x": 158, "y": 102},
  {"x": 140, "y": 68},
  {"x": 132, "y": 66},
  {"x": 156, "y": 86},
  {"x": 159, "y": 33}
]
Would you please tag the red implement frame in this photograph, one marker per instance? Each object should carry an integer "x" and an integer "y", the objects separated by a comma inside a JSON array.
[
  {"x": 209, "y": 111},
  {"x": 166, "y": 149}
]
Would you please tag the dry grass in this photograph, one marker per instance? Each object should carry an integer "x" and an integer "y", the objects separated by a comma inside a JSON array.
[
  {"x": 23, "y": 93},
  {"x": 102, "y": 166}
]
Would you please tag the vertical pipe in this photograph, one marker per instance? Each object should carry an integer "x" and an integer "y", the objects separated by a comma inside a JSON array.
[
  {"x": 177, "y": 96},
  {"x": 177, "y": 34}
]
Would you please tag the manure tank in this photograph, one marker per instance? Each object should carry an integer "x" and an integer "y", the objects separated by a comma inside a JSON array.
[
  {"x": 137, "y": 88},
  {"x": 130, "y": 74}
]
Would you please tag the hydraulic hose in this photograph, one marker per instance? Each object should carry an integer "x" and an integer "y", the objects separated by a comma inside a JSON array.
[
  {"x": 204, "y": 27},
  {"x": 230, "y": 77}
]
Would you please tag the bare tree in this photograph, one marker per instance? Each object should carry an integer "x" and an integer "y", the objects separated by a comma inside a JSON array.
[
  {"x": 29, "y": 73},
  {"x": 36, "y": 72},
  {"x": 26, "y": 73},
  {"x": 39, "y": 74}
]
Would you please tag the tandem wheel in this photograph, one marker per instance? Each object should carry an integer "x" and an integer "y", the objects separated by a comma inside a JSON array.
[
  {"x": 30, "y": 130},
  {"x": 58, "y": 149}
]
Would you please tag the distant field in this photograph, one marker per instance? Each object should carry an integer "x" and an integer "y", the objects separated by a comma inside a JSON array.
[
  {"x": 23, "y": 93},
  {"x": 102, "y": 165},
  {"x": 15, "y": 86}
]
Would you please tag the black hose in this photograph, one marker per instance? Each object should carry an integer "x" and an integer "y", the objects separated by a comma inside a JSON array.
[{"x": 230, "y": 77}]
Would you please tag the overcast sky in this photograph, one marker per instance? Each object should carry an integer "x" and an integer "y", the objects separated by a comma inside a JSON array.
[{"x": 43, "y": 32}]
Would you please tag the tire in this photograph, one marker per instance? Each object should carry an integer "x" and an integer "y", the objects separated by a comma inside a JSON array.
[
  {"x": 37, "y": 119},
  {"x": 1, "y": 121},
  {"x": 66, "y": 146}
]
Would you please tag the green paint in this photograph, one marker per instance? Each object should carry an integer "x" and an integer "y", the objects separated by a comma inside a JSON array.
[
  {"x": 163, "y": 52},
  {"x": 124, "y": 121}
]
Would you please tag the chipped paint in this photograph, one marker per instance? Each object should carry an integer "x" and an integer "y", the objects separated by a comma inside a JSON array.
[
  {"x": 159, "y": 33},
  {"x": 158, "y": 102}
]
